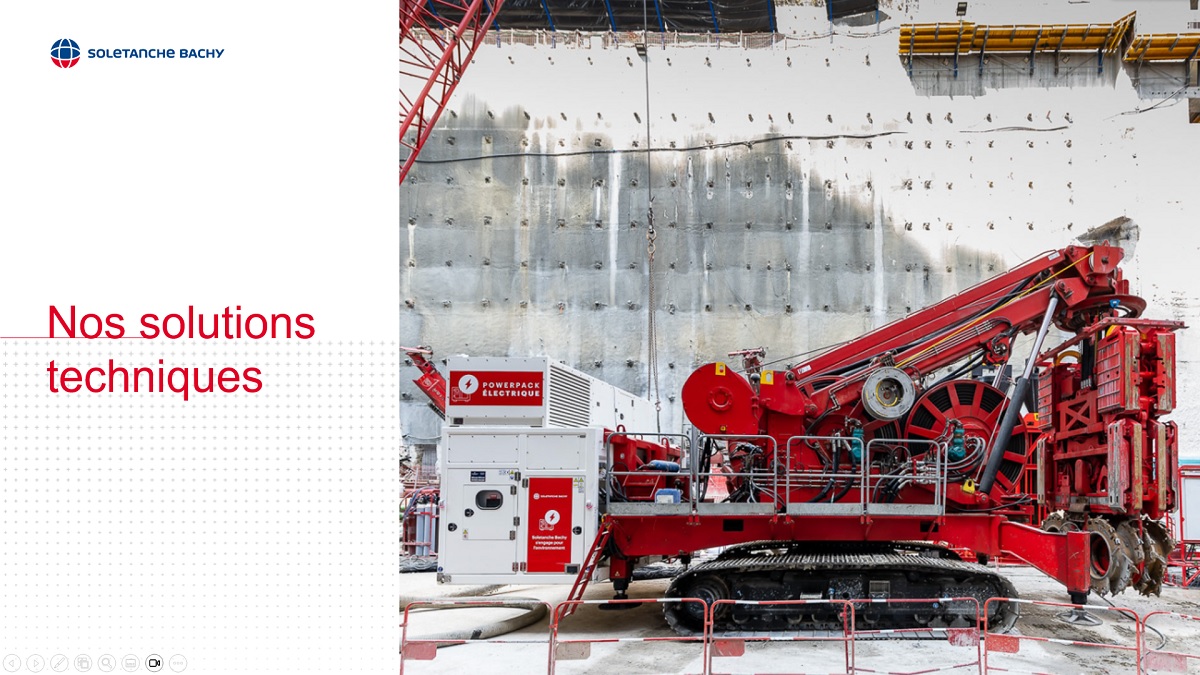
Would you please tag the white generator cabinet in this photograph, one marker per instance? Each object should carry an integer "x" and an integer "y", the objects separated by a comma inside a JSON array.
[{"x": 519, "y": 503}]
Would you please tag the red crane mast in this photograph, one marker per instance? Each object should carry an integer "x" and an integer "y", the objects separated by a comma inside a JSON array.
[{"x": 437, "y": 40}]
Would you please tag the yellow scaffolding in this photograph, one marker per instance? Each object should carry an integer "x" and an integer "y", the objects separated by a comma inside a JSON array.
[
  {"x": 964, "y": 38},
  {"x": 1163, "y": 47}
]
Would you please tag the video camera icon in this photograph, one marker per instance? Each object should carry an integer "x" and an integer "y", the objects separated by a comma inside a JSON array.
[{"x": 154, "y": 663}]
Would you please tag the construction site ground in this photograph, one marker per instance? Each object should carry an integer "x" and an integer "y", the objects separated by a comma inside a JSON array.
[{"x": 526, "y": 650}]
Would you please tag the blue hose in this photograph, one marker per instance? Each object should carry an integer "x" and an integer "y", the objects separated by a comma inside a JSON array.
[{"x": 661, "y": 465}]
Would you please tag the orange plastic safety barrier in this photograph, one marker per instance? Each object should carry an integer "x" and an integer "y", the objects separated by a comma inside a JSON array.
[
  {"x": 1007, "y": 643},
  {"x": 580, "y": 648},
  {"x": 733, "y": 645},
  {"x": 994, "y": 651},
  {"x": 956, "y": 636},
  {"x": 1167, "y": 660}
]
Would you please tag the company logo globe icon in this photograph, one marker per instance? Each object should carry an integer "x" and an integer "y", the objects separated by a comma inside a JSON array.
[{"x": 65, "y": 53}]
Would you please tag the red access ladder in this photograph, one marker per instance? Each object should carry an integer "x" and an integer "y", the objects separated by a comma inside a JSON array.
[{"x": 589, "y": 565}]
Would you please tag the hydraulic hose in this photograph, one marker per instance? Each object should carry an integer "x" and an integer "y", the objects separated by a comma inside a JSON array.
[
  {"x": 828, "y": 486},
  {"x": 843, "y": 492},
  {"x": 705, "y": 465}
]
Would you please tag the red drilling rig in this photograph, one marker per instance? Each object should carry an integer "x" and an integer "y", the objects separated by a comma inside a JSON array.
[
  {"x": 858, "y": 472},
  {"x": 861, "y": 472}
]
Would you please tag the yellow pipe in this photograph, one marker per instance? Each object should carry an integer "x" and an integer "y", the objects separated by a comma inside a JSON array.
[{"x": 1070, "y": 352}]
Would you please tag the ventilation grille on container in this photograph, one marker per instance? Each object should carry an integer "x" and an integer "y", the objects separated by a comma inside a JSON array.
[{"x": 570, "y": 399}]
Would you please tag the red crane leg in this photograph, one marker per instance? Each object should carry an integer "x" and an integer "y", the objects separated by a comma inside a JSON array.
[{"x": 1065, "y": 557}]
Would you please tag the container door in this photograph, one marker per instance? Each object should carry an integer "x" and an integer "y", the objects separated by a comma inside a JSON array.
[{"x": 487, "y": 531}]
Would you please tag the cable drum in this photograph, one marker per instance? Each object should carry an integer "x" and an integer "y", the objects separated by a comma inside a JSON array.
[{"x": 888, "y": 393}]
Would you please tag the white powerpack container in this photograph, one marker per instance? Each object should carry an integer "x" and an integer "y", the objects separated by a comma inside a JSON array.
[{"x": 520, "y": 461}]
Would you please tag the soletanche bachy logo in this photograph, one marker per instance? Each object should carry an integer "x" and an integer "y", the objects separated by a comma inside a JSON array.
[{"x": 65, "y": 53}]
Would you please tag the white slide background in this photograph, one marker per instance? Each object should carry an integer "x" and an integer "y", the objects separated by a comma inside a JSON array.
[{"x": 251, "y": 533}]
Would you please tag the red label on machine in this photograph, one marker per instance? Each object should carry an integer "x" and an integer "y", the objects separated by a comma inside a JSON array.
[
  {"x": 549, "y": 543},
  {"x": 496, "y": 387}
]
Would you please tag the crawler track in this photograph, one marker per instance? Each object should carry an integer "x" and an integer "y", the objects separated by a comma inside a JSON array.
[{"x": 779, "y": 572}]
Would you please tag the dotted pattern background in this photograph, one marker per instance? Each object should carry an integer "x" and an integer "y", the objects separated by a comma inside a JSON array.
[{"x": 247, "y": 532}]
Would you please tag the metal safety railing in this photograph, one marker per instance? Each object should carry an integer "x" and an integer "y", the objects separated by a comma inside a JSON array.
[
  {"x": 832, "y": 484},
  {"x": 692, "y": 476},
  {"x": 956, "y": 636},
  {"x": 764, "y": 477},
  {"x": 967, "y": 38},
  {"x": 579, "y": 39},
  {"x": 933, "y": 476},
  {"x": 1164, "y": 47},
  {"x": 733, "y": 645},
  {"x": 861, "y": 488},
  {"x": 954, "y": 41},
  {"x": 1162, "y": 660},
  {"x": 863, "y": 482},
  {"x": 847, "y": 622},
  {"x": 579, "y": 647},
  {"x": 609, "y": 473},
  {"x": 1011, "y": 644}
]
